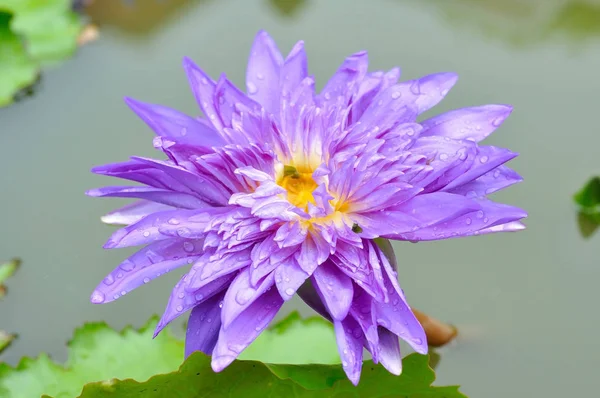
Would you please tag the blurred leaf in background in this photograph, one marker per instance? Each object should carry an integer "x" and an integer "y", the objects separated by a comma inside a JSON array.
[
  {"x": 33, "y": 33},
  {"x": 6, "y": 271},
  {"x": 588, "y": 200}
]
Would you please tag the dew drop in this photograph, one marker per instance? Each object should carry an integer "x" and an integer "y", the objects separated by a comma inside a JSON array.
[
  {"x": 252, "y": 89},
  {"x": 146, "y": 234},
  {"x": 97, "y": 297},
  {"x": 116, "y": 296},
  {"x": 444, "y": 92},
  {"x": 289, "y": 291},
  {"x": 173, "y": 221},
  {"x": 179, "y": 308},
  {"x": 120, "y": 275},
  {"x": 468, "y": 221},
  {"x": 344, "y": 364},
  {"x": 188, "y": 246},
  {"x": 123, "y": 292},
  {"x": 127, "y": 265},
  {"x": 417, "y": 341},
  {"x": 397, "y": 94},
  {"x": 184, "y": 131},
  {"x": 146, "y": 280},
  {"x": 109, "y": 280},
  {"x": 496, "y": 173},
  {"x": 480, "y": 214},
  {"x": 260, "y": 76},
  {"x": 204, "y": 80},
  {"x": 357, "y": 333},
  {"x": 483, "y": 159},
  {"x": 497, "y": 122},
  {"x": 221, "y": 304},
  {"x": 208, "y": 320},
  {"x": 485, "y": 220},
  {"x": 443, "y": 157},
  {"x": 199, "y": 296},
  {"x": 181, "y": 295}
]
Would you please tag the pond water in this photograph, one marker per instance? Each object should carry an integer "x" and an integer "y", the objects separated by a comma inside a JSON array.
[{"x": 526, "y": 304}]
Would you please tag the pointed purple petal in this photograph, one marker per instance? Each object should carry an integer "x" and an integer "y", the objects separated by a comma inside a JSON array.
[
  {"x": 241, "y": 294},
  {"x": 334, "y": 288},
  {"x": 168, "y": 122},
  {"x": 203, "y": 327},
  {"x": 162, "y": 196},
  {"x": 181, "y": 301},
  {"x": 389, "y": 351},
  {"x": 263, "y": 74},
  {"x": 349, "y": 347},
  {"x": 203, "y": 88},
  {"x": 245, "y": 329},
  {"x": 473, "y": 123},
  {"x": 289, "y": 277},
  {"x": 143, "y": 266},
  {"x": 133, "y": 212}
]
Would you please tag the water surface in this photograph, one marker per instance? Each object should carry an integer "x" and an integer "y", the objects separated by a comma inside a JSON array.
[{"x": 525, "y": 303}]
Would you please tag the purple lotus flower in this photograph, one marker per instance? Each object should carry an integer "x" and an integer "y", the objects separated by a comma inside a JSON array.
[{"x": 282, "y": 189}]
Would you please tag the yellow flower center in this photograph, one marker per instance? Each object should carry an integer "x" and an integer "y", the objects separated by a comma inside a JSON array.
[{"x": 299, "y": 185}]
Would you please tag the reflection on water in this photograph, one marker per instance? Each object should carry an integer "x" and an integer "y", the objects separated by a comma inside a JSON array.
[
  {"x": 289, "y": 8},
  {"x": 578, "y": 19},
  {"x": 587, "y": 223},
  {"x": 524, "y": 22},
  {"x": 136, "y": 16}
]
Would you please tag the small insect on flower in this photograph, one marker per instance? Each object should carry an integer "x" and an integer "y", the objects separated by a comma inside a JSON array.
[{"x": 282, "y": 190}]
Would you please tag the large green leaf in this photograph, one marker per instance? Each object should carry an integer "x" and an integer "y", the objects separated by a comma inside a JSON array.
[
  {"x": 33, "y": 33},
  {"x": 96, "y": 353},
  {"x": 250, "y": 379},
  {"x": 100, "y": 355}
]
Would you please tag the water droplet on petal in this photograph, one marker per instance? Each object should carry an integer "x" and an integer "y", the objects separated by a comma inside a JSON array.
[
  {"x": 468, "y": 221},
  {"x": 188, "y": 246},
  {"x": 127, "y": 265},
  {"x": 146, "y": 234},
  {"x": 109, "y": 280},
  {"x": 497, "y": 122},
  {"x": 483, "y": 159},
  {"x": 209, "y": 320},
  {"x": 443, "y": 157},
  {"x": 204, "y": 80},
  {"x": 123, "y": 292},
  {"x": 221, "y": 304},
  {"x": 146, "y": 280},
  {"x": 260, "y": 76},
  {"x": 397, "y": 94},
  {"x": 480, "y": 214},
  {"x": 184, "y": 131},
  {"x": 485, "y": 220},
  {"x": 289, "y": 291},
  {"x": 252, "y": 89},
  {"x": 173, "y": 221},
  {"x": 445, "y": 92},
  {"x": 179, "y": 308},
  {"x": 181, "y": 295},
  {"x": 199, "y": 296},
  {"x": 496, "y": 173}
]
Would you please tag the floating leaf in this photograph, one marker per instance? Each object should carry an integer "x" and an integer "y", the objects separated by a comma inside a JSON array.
[
  {"x": 96, "y": 353},
  {"x": 100, "y": 355},
  {"x": 250, "y": 379}
]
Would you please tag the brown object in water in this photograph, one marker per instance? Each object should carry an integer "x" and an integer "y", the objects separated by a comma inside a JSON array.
[{"x": 438, "y": 333}]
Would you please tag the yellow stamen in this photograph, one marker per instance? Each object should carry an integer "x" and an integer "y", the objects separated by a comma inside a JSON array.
[{"x": 299, "y": 186}]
